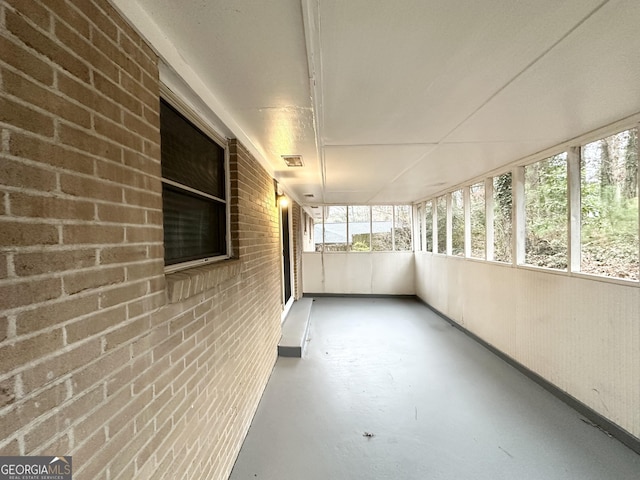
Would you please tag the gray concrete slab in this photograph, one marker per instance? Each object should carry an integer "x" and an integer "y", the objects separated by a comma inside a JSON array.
[{"x": 389, "y": 390}]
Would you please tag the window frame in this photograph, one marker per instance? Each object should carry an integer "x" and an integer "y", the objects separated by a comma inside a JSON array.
[
  {"x": 189, "y": 113},
  {"x": 573, "y": 149}
]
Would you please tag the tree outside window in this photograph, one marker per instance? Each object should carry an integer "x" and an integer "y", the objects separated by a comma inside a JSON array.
[
  {"x": 609, "y": 206},
  {"x": 478, "y": 225},
  {"x": 502, "y": 225},
  {"x": 457, "y": 219},
  {"x": 546, "y": 220},
  {"x": 441, "y": 219}
]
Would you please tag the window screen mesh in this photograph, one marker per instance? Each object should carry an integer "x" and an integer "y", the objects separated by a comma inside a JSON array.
[
  {"x": 193, "y": 226},
  {"x": 189, "y": 157}
]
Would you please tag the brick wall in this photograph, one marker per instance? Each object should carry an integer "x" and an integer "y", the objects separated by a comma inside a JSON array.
[{"x": 135, "y": 373}]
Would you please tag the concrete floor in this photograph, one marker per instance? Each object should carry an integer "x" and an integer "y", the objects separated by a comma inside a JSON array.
[{"x": 388, "y": 390}]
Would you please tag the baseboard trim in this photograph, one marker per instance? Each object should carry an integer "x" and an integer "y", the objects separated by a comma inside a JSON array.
[
  {"x": 592, "y": 417},
  {"x": 360, "y": 295}
]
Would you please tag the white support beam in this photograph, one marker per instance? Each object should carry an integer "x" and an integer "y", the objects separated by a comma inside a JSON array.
[
  {"x": 573, "y": 203},
  {"x": 488, "y": 215},
  {"x": 449, "y": 249},
  {"x": 518, "y": 213},
  {"x": 434, "y": 226},
  {"x": 467, "y": 220}
]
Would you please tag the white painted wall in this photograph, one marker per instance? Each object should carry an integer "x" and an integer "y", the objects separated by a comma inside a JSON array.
[
  {"x": 582, "y": 334},
  {"x": 377, "y": 273}
]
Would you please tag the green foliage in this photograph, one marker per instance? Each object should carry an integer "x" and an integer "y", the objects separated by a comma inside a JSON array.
[
  {"x": 441, "y": 218},
  {"x": 503, "y": 200},
  {"x": 546, "y": 212},
  {"x": 609, "y": 206},
  {"x": 478, "y": 220}
]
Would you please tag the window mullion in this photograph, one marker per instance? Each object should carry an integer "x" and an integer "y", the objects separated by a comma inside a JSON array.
[
  {"x": 573, "y": 204},
  {"x": 518, "y": 213}
]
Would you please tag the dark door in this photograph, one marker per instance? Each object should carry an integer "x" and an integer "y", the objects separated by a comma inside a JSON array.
[{"x": 286, "y": 253}]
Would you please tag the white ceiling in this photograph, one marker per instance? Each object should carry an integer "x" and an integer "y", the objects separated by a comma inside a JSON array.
[{"x": 391, "y": 101}]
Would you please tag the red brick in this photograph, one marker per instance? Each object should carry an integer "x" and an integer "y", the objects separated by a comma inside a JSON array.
[
  {"x": 42, "y": 317},
  {"x": 50, "y": 207},
  {"x": 57, "y": 366},
  {"x": 92, "y": 234},
  {"x": 24, "y": 117},
  {"x": 88, "y": 142},
  {"x": 44, "y": 98},
  {"x": 51, "y": 261},
  {"x": 94, "y": 324},
  {"x": 45, "y": 45},
  {"x": 90, "y": 188},
  {"x": 90, "y": 279},
  {"x": 49, "y": 153},
  {"x": 33, "y": 291},
  {"x": 24, "y": 351},
  {"x": 18, "y": 57}
]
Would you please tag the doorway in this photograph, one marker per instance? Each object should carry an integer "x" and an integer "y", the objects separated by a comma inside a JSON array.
[{"x": 286, "y": 254}]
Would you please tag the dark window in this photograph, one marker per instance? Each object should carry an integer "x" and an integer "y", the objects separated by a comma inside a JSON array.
[{"x": 193, "y": 190}]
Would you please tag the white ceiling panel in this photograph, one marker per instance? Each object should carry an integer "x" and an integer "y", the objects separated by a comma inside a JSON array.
[
  {"x": 368, "y": 167},
  {"x": 366, "y": 90},
  {"x": 450, "y": 164},
  {"x": 589, "y": 80},
  {"x": 412, "y": 71},
  {"x": 251, "y": 54}
]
